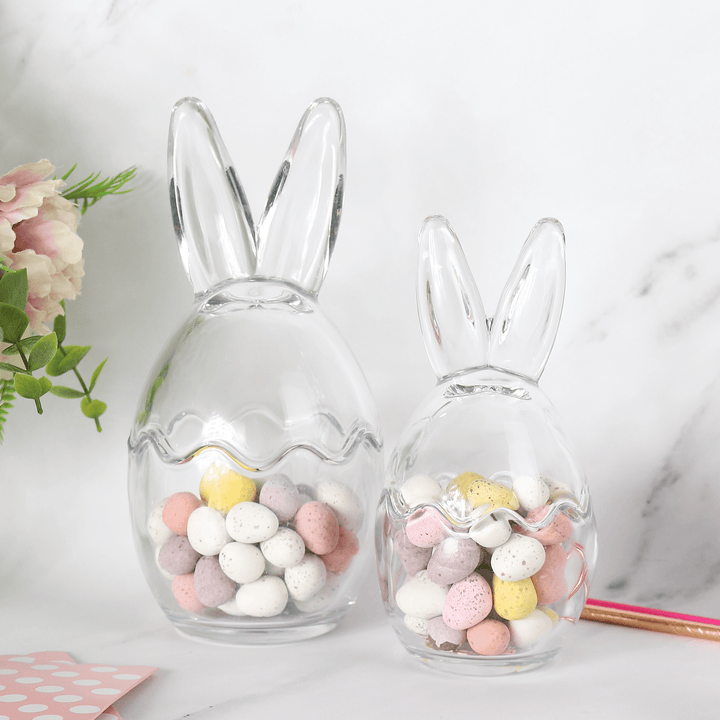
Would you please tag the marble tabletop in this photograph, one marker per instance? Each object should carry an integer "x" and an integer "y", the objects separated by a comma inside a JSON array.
[{"x": 491, "y": 114}]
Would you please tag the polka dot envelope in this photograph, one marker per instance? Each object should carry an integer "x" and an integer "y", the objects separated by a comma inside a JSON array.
[{"x": 51, "y": 686}]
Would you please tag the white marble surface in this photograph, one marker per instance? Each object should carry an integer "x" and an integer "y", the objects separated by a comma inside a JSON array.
[{"x": 492, "y": 114}]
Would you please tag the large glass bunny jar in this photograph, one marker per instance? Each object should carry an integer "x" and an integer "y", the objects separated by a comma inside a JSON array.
[
  {"x": 255, "y": 458},
  {"x": 485, "y": 534}
]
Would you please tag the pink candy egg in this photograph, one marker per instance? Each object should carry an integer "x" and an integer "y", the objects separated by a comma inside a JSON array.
[
  {"x": 426, "y": 527},
  {"x": 489, "y": 637},
  {"x": 338, "y": 560},
  {"x": 177, "y": 556},
  {"x": 318, "y": 526},
  {"x": 453, "y": 560},
  {"x": 550, "y": 583},
  {"x": 212, "y": 586},
  {"x": 468, "y": 602},
  {"x": 177, "y": 511},
  {"x": 281, "y": 495},
  {"x": 558, "y": 531},
  {"x": 413, "y": 558},
  {"x": 183, "y": 588},
  {"x": 443, "y": 634}
]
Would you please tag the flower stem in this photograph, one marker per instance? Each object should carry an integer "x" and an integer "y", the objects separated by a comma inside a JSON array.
[{"x": 83, "y": 386}]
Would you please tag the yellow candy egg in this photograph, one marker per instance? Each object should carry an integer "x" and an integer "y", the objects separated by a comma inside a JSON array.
[
  {"x": 484, "y": 492},
  {"x": 461, "y": 484},
  {"x": 554, "y": 617},
  {"x": 222, "y": 488},
  {"x": 514, "y": 600}
]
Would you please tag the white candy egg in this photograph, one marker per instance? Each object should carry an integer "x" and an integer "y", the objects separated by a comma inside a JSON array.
[
  {"x": 284, "y": 549},
  {"x": 527, "y": 630},
  {"x": 231, "y": 608},
  {"x": 420, "y": 597},
  {"x": 530, "y": 491},
  {"x": 322, "y": 599},
  {"x": 250, "y": 522},
  {"x": 206, "y": 531},
  {"x": 159, "y": 532},
  {"x": 241, "y": 562},
  {"x": 265, "y": 597},
  {"x": 417, "y": 625},
  {"x": 490, "y": 532},
  {"x": 344, "y": 502},
  {"x": 306, "y": 578},
  {"x": 518, "y": 558},
  {"x": 420, "y": 489}
]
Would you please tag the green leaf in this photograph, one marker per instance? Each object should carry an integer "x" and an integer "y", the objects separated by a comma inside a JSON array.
[
  {"x": 66, "y": 392},
  {"x": 96, "y": 374},
  {"x": 13, "y": 322},
  {"x": 45, "y": 385},
  {"x": 66, "y": 358},
  {"x": 60, "y": 326},
  {"x": 14, "y": 288},
  {"x": 92, "y": 408},
  {"x": 43, "y": 351},
  {"x": 28, "y": 386},
  {"x": 13, "y": 368},
  {"x": 26, "y": 344}
]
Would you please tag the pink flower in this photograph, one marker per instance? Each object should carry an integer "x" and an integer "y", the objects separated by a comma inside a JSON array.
[{"x": 38, "y": 232}]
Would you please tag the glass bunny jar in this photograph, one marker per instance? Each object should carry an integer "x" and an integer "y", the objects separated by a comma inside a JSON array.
[
  {"x": 485, "y": 535},
  {"x": 255, "y": 459}
]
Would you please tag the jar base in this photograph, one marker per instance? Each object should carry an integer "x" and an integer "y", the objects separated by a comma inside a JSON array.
[
  {"x": 252, "y": 634},
  {"x": 477, "y": 666}
]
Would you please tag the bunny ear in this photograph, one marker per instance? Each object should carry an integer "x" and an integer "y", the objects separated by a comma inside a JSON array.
[
  {"x": 452, "y": 316},
  {"x": 297, "y": 231},
  {"x": 211, "y": 215},
  {"x": 526, "y": 323}
]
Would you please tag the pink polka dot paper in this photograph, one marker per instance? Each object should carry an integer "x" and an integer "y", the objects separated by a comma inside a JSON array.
[{"x": 51, "y": 686}]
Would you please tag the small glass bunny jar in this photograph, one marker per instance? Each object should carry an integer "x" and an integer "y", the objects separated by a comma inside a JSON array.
[
  {"x": 255, "y": 458},
  {"x": 485, "y": 535}
]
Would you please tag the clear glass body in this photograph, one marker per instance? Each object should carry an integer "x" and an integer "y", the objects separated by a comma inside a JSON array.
[
  {"x": 255, "y": 457},
  {"x": 485, "y": 535}
]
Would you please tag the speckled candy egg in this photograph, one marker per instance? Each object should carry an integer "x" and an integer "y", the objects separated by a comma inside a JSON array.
[
  {"x": 177, "y": 556},
  {"x": 206, "y": 531},
  {"x": 527, "y": 630},
  {"x": 413, "y": 558},
  {"x": 420, "y": 490},
  {"x": 157, "y": 529},
  {"x": 340, "y": 558},
  {"x": 177, "y": 510},
  {"x": 420, "y": 597},
  {"x": 557, "y": 531},
  {"x": 241, "y": 562},
  {"x": 306, "y": 578},
  {"x": 183, "y": 588},
  {"x": 322, "y": 599},
  {"x": 281, "y": 495},
  {"x": 531, "y": 491},
  {"x": 284, "y": 549},
  {"x": 443, "y": 635},
  {"x": 518, "y": 558},
  {"x": 318, "y": 526},
  {"x": 426, "y": 527},
  {"x": 250, "y": 522},
  {"x": 514, "y": 600},
  {"x": 266, "y": 597},
  {"x": 468, "y": 602},
  {"x": 490, "y": 532},
  {"x": 550, "y": 583},
  {"x": 344, "y": 502},
  {"x": 221, "y": 488},
  {"x": 453, "y": 560},
  {"x": 489, "y": 637},
  {"x": 212, "y": 586}
]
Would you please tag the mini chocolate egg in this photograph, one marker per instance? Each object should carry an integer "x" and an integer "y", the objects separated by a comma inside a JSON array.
[
  {"x": 413, "y": 558},
  {"x": 183, "y": 588},
  {"x": 340, "y": 558},
  {"x": 159, "y": 532},
  {"x": 442, "y": 634},
  {"x": 212, "y": 586},
  {"x": 177, "y": 556},
  {"x": 250, "y": 522},
  {"x": 318, "y": 526},
  {"x": 177, "y": 510},
  {"x": 420, "y": 597},
  {"x": 165, "y": 573},
  {"x": 550, "y": 583},
  {"x": 241, "y": 562},
  {"x": 468, "y": 602},
  {"x": 453, "y": 560},
  {"x": 281, "y": 495},
  {"x": 322, "y": 599},
  {"x": 531, "y": 491},
  {"x": 420, "y": 490},
  {"x": 307, "y": 578},
  {"x": 417, "y": 625},
  {"x": 344, "y": 502},
  {"x": 221, "y": 488},
  {"x": 527, "y": 630},
  {"x": 489, "y": 637},
  {"x": 206, "y": 531},
  {"x": 490, "y": 532},
  {"x": 426, "y": 527},
  {"x": 491, "y": 494},
  {"x": 518, "y": 558},
  {"x": 514, "y": 600},
  {"x": 557, "y": 531},
  {"x": 265, "y": 597},
  {"x": 284, "y": 549},
  {"x": 231, "y": 608}
]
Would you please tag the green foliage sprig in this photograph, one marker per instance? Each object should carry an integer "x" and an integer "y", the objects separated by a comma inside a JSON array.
[{"x": 87, "y": 192}]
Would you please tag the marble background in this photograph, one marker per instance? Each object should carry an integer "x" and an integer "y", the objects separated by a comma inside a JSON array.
[{"x": 604, "y": 115}]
